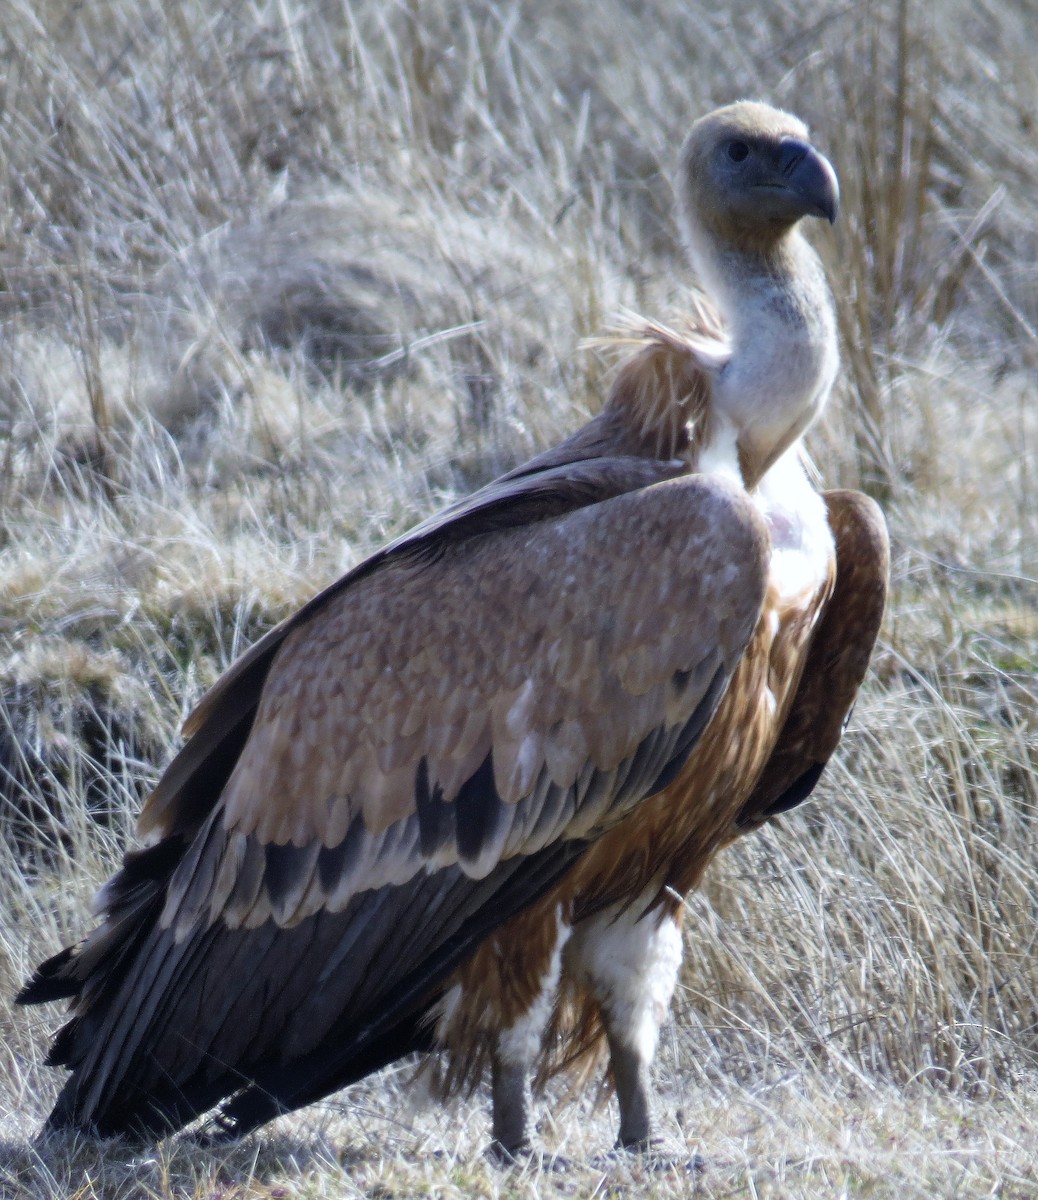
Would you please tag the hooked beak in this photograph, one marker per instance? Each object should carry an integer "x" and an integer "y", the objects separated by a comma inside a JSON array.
[{"x": 810, "y": 177}]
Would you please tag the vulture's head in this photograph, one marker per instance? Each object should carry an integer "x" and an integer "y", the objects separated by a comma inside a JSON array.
[{"x": 749, "y": 173}]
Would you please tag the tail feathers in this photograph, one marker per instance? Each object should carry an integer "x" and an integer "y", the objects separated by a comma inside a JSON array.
[
  {"x": 167, "y": 1109},
  {"x": 92, "y": 1104}
]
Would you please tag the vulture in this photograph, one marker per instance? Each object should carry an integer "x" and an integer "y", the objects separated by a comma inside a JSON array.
[{"x": 478, "y": 772}]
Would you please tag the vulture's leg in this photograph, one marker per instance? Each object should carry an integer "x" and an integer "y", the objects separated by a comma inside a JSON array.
[
  {"x": 513, "y": 1106},
  {"x": 631, "y": 1074},
  {"x": 630, "y": 966},
  {"x": 518, "y": 1043}
]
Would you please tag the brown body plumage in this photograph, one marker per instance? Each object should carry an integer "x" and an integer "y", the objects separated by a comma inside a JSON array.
[{"x": 542, "y": 708}]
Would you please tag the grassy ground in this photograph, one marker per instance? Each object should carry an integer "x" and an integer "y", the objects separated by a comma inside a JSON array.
[{"x": 277, "y": 279}]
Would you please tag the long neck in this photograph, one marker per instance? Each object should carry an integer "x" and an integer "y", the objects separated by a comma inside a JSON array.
[{"x": 779, "y": 315}]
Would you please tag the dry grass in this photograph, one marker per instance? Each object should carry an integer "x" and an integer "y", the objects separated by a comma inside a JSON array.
[{"x": 278, "y": 278}]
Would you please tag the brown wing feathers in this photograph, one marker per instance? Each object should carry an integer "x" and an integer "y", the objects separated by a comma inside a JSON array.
[
  {"x": 220, "y": 724},
  {"x": 506, "y": 710},
  {"x": 437, "y": 781}
]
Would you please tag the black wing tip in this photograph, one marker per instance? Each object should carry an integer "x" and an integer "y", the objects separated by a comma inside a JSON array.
[
  {"x": 63, "y": 1123},
  {"x": 51, "y": 981},
  {"x": 254, "y": 1106},
  {"x": 798, "y": 791},
  {"x": 794, "y": 795},
  {"x": 135, "y": 1123}
]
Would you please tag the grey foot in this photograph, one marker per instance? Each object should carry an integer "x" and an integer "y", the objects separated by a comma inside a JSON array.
[
  {"x": 509, "y": 1156},
  {"x": 631, "y": 1076},
  {"x": 513, "y": 1111},
  {"x": 652, "y": 1157},
  {"x": 639, "y": 1145},
  {"x": 526, "y": 1155}
]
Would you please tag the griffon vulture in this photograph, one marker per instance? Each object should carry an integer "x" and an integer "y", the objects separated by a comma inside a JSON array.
[{"x": 539, "y": 710}]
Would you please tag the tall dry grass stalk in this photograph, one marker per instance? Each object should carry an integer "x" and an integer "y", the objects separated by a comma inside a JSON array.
[{"x": 277, "y": 279}]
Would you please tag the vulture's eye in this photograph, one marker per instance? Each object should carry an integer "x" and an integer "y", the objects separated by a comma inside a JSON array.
[{"x": 737, "y": 151}]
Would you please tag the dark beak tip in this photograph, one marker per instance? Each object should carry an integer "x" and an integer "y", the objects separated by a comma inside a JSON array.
[
  {"x": 811, "y": 175},
  {"x": 821, "y": 185}
]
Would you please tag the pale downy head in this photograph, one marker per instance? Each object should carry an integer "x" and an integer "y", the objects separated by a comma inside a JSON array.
[
  {"x": 749, "y": 173},
  {"x": 748, "y": 176}
]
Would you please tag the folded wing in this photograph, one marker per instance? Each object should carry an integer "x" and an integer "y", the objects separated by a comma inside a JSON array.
[{"x": 415, "y": 756}]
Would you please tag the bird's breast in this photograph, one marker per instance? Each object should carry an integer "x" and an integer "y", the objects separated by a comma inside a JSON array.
[{"x": 802, "y": 547}]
